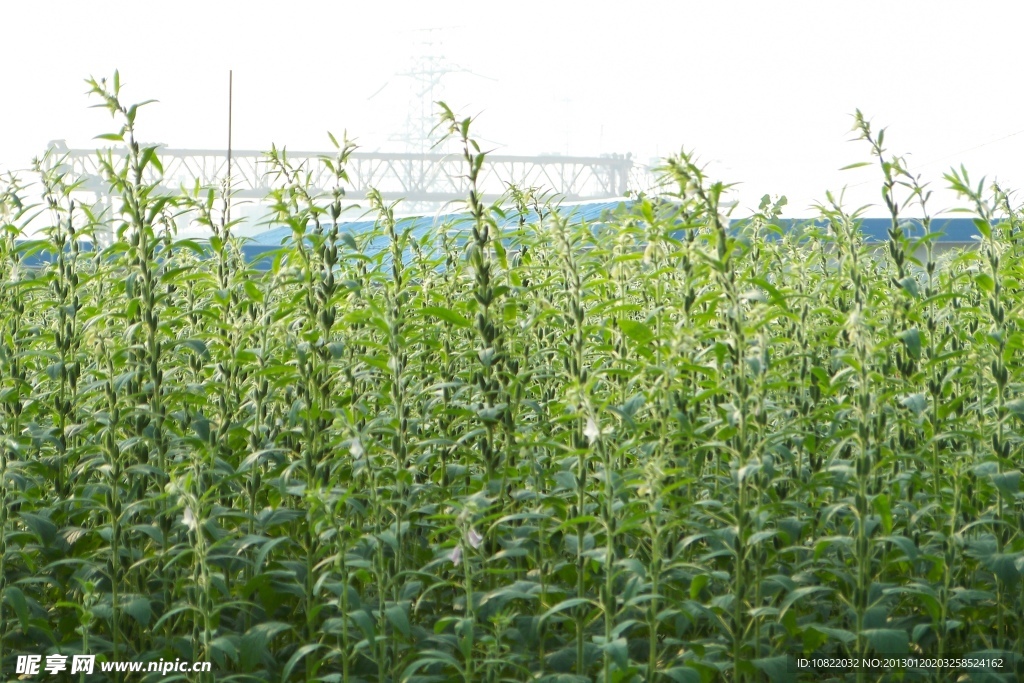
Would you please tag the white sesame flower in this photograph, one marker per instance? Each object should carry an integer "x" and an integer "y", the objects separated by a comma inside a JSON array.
[
  {"x": 592, "y": 431},
  {"x": 188, "y": 519},
  {"x": 474, "y": 538},
  {"x": 456, "y": 556},
  {"x": 356, "y": 449}
]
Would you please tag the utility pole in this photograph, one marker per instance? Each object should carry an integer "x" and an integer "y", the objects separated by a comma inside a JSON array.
[{"x": 227, "y": 198}]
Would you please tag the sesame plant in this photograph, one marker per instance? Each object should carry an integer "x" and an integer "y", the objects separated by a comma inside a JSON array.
[{"x": 667, "y": 445}]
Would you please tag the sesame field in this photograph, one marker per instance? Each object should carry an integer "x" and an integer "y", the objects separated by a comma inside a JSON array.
[{"x": 664, "y": 446}]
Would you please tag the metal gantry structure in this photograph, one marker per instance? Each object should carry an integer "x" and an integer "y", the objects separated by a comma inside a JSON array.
[{"x": 414, "y": 177}]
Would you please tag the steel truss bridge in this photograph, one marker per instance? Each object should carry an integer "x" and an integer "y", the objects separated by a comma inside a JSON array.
[{"x": 415, "y": 177}]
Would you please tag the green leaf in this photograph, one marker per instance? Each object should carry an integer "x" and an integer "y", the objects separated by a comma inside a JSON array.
[
  {"x": 777, "y": 669},
  {"x": 915, "y": 403},
  {"x": 812, "y": 637},
  {"x": 294, "y": 659},
  {"x": 1008, "y": 483},
  {"x": 800, "y": 594},
  {"x": 619, "y": 652},
  {"x": 253, "y": 645},
  {"x": 840, "y": 634},
  {"x": 116, "y": 137},
  {"x": 254, "y": 292},
  {"x": 777, "y": 297},
  {"x": 563, "y": 606},
  {"x": 1004, "y": 566},
  {"x": 201, "y": 426},
  {"x": 882, "y": 507},
  {"x": 140, "y": 610},
  {"x": 909, "y": 285},
  {"x": 14, "y": 597},
  {"x": 683, "y": 674},
  {"x": 40, "y": 526},
  {"x": 223, "y": 648},
  {"x": 983, "y": 227},
  {"x": 197, "y": 345},
  {"x": 888, "y": 641},
  {"x": 429, "y": 658},
  {"x": 192, "y": 246},
  {"x": 1016, "y": 407},
  {"x": 986, "y": 469},
  {"x": 637, "y": 331},
  {"x": 398, "y": 617},
  {"x": 447, "y": 315},
  {"x": 349, "y": 241},
  {"x": 364, "y": 621},
  {"x": 905, "y": 544},
  {"x": 985, "y": 281},
  {"x": 697, "y": 585},
  {"x": 149, "y": 156},
  {"x": 912, "y": 341},
  {"x": 499, "y": 248}
]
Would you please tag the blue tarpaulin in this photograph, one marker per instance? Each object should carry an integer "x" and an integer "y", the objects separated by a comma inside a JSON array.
[
  {"x": 959, "y": 230},
  {"x": 258, "y": 248}
]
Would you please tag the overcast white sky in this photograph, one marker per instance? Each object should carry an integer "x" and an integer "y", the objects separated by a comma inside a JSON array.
[{"x": 764, "y": 91}]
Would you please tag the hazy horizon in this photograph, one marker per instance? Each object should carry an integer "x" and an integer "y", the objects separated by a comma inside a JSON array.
[{"x": 763, "y": 92}]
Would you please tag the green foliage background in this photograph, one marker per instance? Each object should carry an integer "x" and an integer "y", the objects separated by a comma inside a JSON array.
[{"x": 652, "y": 448}]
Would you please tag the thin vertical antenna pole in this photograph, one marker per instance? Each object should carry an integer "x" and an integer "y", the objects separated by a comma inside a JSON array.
[{"x": 231, "y": 78}]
